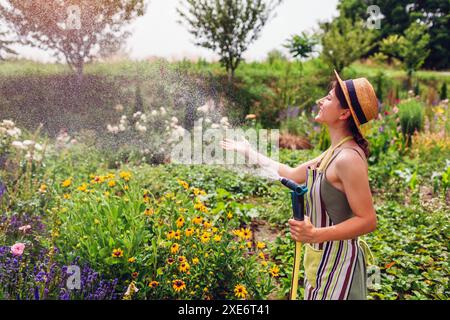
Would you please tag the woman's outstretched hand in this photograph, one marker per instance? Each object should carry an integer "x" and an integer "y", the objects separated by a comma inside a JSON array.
[{"x": 242, "y": 146}]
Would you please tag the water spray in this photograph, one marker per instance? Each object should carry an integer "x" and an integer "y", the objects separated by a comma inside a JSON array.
[{"x": 298, "y": 210}]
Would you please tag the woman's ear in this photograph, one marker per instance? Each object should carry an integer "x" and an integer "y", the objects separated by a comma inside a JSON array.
[{"x": 345, "y": 114}]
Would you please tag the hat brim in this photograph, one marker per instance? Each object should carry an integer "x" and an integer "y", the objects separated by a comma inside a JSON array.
[{"x": 347, "y": 98}]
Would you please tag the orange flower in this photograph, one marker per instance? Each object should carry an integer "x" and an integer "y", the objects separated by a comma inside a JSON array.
[
  {"x": 189, "y": 232},
  {"x": 117, "y": 253},
  {"x": 180, "y": 222},
  {"x": 153, "y": 284},
  {"x": 178, "y": 285},
  {"x": 174, "y": 248}
]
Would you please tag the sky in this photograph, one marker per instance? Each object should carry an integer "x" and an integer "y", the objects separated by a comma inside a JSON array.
[{"x": 157, "y": 33}]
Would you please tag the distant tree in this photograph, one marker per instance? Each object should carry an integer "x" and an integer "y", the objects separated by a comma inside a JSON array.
[
  {"x": 73, "y": 30},
  {"x": 443, "y": 93},
  {"x": 5, "y": 46},
  {"x": 227, "y": 27},
  {"x": 301, "y": 46},
  {"x": 343, "y": 42},
  {"x": 411, "y": 48},
  {"x": 275, "y": 55},
  {"x": 414, "y": 47},
  {"x": 398, "y": 16}
]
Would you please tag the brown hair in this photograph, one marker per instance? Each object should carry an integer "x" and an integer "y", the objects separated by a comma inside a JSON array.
[{"x": 360, "y": 140}]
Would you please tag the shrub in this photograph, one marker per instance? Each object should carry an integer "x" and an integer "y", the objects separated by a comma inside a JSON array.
[{"x": 411, "y": 113}]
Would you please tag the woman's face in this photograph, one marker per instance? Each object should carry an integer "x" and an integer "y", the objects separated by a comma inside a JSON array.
[{"x": 330, "y": 110}]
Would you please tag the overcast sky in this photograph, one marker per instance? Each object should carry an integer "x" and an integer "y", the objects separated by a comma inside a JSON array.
[{"x": 158, "y": 33}]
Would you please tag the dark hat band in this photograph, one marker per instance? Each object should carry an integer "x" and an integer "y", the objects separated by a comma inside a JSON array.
[{"x": 355, "y": 103}]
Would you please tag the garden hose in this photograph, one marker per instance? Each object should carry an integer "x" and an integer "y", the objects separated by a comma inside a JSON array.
[{"x": 298, "y": 209}]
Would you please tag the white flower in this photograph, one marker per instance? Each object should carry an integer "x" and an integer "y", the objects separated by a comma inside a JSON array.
[
  {"x": 215, "y": 126},
  {"x": 224, "y": 121},
  {"x": 119, "y": 108},
  {"x": 18, "y": 145},
  {"x": 163, "y": 111},
  {"x": 38, "y": 147},
  {"x": 2, "y": 130},
  {"x": 144, "y": 117},
  {"x": 15, "y": 133},
  {"x": 140, "y": 128},
  {"x": 36, "y": 157},
  {"x": 174, "y": 120},
  {"x": 154, "y": 113},
  {"x": 122, "y": 127},
  {"x": 8, "y": 124},
  {"x": 124, "y": 117},
  {"x": 112, "y": 129},
  {"x": 28, "y": 143},
  {"x": 137, "y": 114},
  {"x": 207, "y": 120}
]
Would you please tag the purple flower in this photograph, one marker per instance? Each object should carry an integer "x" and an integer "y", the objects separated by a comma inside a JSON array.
[{"x": 2, "y": 189}]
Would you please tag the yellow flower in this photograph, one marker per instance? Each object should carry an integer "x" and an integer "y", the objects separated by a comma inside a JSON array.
[
  {"x": 180, "y": 222},
  {"x": 177, "y": 235},
  {"x": 125, "y": 188},
  {"x": 149, "y": 211},
  {"x": 178, "y": 285},
  {"x": 274, "y": 271},
  {"x": 182, "y": 259},
  {"x": 261, "y": 255},
  {"x": 96, "y": 221},
  {"x": 117, "y": 253},
  {"x": 240, "y": 291},
  {"x": 246, "y": 233},
  {"x": 195, "y": 261},
  {"x": 204, "y": 238},
  {"x": 237, "y": 232},
  {"x": 83, "y": 187},
  {"x": 182, "y": 210},
  {"x": 106, "y": 194},
  {"x": 214, "y": 229},
  {"x": 264, "y": 263},
  {"x": 153, "y": 284},
  {"x": 249, "y": 244},
  {"x": 170, "y": 234},
  {"x": 125, "y": 175},
  {"x": 205, "y": 289},
  {"x": 132, "y": 260},
  {"x": 111, "y": 183},
  {"x": 43, "y": 188},
  {"x": 260, "y": 245},
  {"x": 184, "y": 184},
  {"x": 207, "y": 224},
  {"x": 197, "y": 220},
  {"x": 97, "y": 179},
  {"x": 67, "y": 183},
  {"x": 184, "y": 267},
  {"x": 229, "y": 215},
  {"x": 174, "y": 248},
  {"x": 217, "y": 238},
  {"x": 67, "y": 196},
  {"x": 189, "y": 232},
  {"x": 203, "y": 209}
]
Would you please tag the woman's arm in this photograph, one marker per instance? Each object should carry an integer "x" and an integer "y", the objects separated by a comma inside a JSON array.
[
  {"x": 352, "y": 171},
  {"x": 297, "y": 174}
]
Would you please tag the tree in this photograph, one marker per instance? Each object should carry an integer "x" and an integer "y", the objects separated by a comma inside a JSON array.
[
  {"x": 4, "y": 46},
  {"x": 398, "y": 16},
  {"x": 344, "y": 42},
  {"x": 227, "y": 27},
  {"x": 411, "y": 48},
  {"x": 73, "y": 30},
  {"x": 301, "y": 46}
]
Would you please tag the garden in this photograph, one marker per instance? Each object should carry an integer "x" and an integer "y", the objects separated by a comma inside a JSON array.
[{"x": 93, "y": 207}]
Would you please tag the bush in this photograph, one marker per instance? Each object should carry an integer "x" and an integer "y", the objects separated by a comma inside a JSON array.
[{"x": 411, "y": 113}]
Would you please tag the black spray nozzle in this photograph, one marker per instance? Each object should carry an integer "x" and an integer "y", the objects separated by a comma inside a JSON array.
[{"x": 298, "y": 189}]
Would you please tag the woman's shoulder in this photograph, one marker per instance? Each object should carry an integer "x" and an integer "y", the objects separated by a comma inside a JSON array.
[{"x": 351, "y": 153}]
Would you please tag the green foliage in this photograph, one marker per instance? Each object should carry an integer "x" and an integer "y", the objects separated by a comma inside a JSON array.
[
  {"x": 344, "y": 42},
  {"x": 227, "y": 27},
  {"x": 301, "y": 46},
  {"x": 443, "y": 93},
  {"x": 411, "y": 115}
]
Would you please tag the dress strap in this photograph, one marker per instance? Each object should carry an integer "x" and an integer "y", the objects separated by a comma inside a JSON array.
[{"x": 326, "y": 158}]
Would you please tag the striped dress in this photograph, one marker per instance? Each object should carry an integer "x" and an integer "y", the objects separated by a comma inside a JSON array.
[{"x": 341, "y": 273}]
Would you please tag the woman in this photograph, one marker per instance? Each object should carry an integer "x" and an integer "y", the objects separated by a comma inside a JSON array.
[{"x": 339, "y": 206}]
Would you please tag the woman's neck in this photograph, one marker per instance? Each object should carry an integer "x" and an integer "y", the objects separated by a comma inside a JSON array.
[{"x": 337, "y": 134}]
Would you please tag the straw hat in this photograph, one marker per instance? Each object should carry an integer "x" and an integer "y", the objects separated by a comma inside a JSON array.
[{"x": 361, "y": 99}]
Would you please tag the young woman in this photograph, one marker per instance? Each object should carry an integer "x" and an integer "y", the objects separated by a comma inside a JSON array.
[{"x": 339, "y": 205}]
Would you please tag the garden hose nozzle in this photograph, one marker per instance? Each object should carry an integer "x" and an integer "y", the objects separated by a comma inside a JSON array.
[{"x": 298, "y": 210}]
